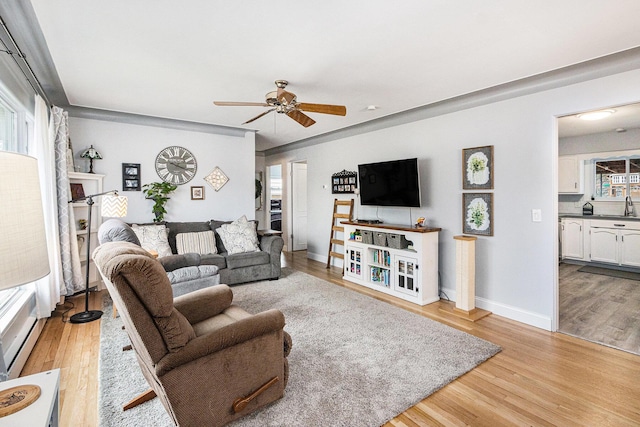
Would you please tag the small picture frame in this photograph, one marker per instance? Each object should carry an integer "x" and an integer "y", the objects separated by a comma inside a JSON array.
[
  {"x": 197, "y": 193},
  {"x": 77, "y": 191},
  {"x": 477, "y": 168},
  {"x": 344, "y": 182},
  {"x": 131, "y": 177},
  {"x": 477, "y": 213}
]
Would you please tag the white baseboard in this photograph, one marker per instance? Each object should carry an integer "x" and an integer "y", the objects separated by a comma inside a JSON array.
[
  {"x": 336, "y": 262},
  {"x": 25, "y": 351},
  {"x": 316, "y": 257},
  {"x": 508, "y": 311}
]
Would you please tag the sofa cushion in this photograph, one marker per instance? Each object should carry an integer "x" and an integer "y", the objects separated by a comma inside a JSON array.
[
  {"x": 215, "y": 224},
  {"x": 240, "y": 236},
  {"x": 153, "y": 238},
  {"x": 176, "y": 228},
  {"x": 218, "y": 260},
  {"x": 247, "y": 259},
  {"x": 191, "y": 273},
  {"x": 200, "y": 242}
]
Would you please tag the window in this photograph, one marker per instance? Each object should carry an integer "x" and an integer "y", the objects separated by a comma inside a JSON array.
[
  {"x": 8, "y": 136},
  {"x": 617, "y": 178},
  {"x": 12, "y": 138}
]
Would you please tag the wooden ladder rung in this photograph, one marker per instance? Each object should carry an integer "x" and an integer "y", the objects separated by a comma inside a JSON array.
[{"x": 333, "y": 241}]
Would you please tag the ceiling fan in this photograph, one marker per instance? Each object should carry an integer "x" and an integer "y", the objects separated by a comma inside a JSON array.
[{"x": 285, "y": 102}]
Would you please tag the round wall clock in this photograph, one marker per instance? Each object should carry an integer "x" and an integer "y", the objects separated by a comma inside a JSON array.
[{"x": 176, "y": 165}]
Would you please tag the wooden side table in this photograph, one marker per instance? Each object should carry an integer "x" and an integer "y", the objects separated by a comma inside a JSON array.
[
  {"x": 262, "y": 233},
  {"x": 45, "y": 411}
]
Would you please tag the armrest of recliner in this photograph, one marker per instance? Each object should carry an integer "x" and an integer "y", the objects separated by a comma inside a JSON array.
[
  {"x": 199, "y": 305},
  {"x": 174, "y": 262},
  {"x": 227, "y": 336}
]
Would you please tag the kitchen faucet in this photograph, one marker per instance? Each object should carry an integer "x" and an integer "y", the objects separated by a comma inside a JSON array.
[{"x": 628, "y": 206}]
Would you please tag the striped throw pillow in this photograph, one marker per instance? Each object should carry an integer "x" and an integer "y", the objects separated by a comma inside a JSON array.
[{"x": 203, "y": 243}]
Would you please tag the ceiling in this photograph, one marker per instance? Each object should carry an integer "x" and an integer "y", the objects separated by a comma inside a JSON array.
[
  {"x": 167, "y": 59},
  {"x": 624, "y": 118}
]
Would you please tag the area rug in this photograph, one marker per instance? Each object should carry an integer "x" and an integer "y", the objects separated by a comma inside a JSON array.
[
  {"x": 356, "y": 361},
  {"x": 620, "y": 274}
]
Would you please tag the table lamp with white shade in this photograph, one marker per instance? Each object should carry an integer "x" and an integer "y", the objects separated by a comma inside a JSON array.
[
  {"x": 23, "y": 245},
  {"x": 112, "y": 206}
]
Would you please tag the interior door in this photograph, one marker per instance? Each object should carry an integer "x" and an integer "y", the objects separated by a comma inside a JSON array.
[{"x": 299, "y": 206}]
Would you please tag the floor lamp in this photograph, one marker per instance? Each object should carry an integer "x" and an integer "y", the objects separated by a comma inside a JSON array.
[
  {"x": 23, "y": 247},
  {"x": 114, "y": 206}
]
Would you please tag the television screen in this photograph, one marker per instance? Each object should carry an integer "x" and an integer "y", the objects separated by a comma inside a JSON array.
[{"x": 393, "y": 183}]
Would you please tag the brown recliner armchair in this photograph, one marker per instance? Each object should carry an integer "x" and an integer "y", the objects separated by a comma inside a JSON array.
[{"x": 208, "y": 361}]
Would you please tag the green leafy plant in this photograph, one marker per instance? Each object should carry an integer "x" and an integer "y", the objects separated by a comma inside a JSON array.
[
  {"x": 477, "y": 164},
  {"x": 158, "y": 192}
]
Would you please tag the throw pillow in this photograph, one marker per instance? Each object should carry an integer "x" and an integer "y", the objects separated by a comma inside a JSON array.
[
  {"x": 202, "y": 242},
  {"x": 153, "y": 237},
  {"x": 240, "y": 236}
]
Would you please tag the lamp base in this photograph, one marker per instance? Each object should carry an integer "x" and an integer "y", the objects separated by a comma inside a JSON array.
[{"x": 86, "y": 316}]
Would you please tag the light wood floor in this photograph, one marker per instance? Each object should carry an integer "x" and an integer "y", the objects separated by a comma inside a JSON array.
[{"x": 539, "y": 378}]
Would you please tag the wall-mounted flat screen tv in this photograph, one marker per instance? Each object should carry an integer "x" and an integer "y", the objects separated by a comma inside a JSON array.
[{"x": 392, "y": 183}]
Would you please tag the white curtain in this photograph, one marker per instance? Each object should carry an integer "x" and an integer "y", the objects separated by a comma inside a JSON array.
[
  {"x": 69, "y": 255},
  {"x": 47, "y": 288}
]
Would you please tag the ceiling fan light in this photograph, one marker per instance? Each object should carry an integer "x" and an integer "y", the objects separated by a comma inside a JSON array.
[{"x": 595, "y": 115}]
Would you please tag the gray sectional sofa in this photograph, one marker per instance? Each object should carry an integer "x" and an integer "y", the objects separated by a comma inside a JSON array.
[{"x": 232, "y": 269}]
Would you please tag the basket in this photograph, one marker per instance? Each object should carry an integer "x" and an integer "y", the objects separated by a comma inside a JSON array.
[
  {"x": 367, "y": 237},
  {"x": 397, "y": 241},
  {"x": 379, "y": 238}
]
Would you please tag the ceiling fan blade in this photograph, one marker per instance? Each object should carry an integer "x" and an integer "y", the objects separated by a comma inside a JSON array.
[
  {"x": 240, "y": 104},
  {"x": 285, "y": 97},
  {"x": 301, "y": 118},
  {"x": 338, "y": 110},
  {"x": 259, "y": 115}
]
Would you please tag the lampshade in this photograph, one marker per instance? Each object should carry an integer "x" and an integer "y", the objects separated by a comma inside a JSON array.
[
  {"x": 114, "y": 206},
  {"x": 23, "y": 242},
  {"x": 91, "y": 153}
]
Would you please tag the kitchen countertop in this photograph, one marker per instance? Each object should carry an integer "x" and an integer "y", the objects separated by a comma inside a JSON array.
[{"x": 606, "y": 217}]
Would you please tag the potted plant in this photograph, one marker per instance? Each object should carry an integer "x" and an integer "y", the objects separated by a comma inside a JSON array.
[{"x": 158, "y": 192}]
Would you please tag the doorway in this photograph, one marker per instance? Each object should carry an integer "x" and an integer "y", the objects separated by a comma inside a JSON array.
[
  {"x": 299, "y": 206},
  {"x": 274, "y": 197},
  {"x": 597, "y": 302}
]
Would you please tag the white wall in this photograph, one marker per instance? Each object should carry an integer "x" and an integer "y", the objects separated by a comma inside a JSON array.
[
  {"x": 516, "y": 269},
  {"x": 126, "y": 143}
]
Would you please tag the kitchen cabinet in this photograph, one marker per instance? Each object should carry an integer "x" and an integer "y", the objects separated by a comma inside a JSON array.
[
  {"x": 570, "y": 175},
  {"x": 615, "y": 242},
  {"x": 604, "y": 245},
  {"x": 629, "y": 248},
  {"x": 572, "y": 236}
]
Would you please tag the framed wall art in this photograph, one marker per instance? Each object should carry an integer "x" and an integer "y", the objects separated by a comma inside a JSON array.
[
  {"x": 77, "y": 191},
  {"x": 197, "y": 193},
  {"x": 131, "y": 177},
  {"x": 344, "y": 182},
  {"x": 477, "y": 213},
  {"x": 477, "y": 168}
]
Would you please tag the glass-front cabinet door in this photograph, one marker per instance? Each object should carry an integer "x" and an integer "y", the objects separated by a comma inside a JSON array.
[
  {"x": 406, "y": 275},
  {"x": 354, "y": 258}
]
